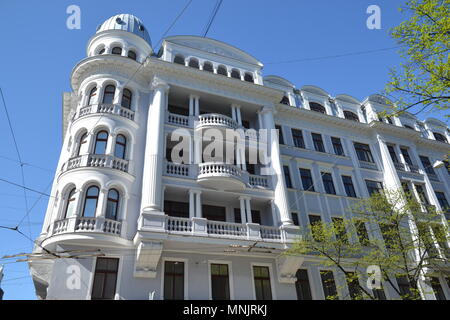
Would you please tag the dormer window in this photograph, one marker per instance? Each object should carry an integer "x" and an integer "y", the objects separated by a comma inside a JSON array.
[
  {"x": 351, "y": 116},
  {"x": 193, "y": 63},
  {"x": 179, "y": 59},
  {"x": 132, "y": 55},
  {"x": 102, "y": 51},
  {"x": 409, "y": 127},
  {"x": 248, "y": 77},
  {"x": 317, "y": 107},
  {"x": 207, "y": 66},
  {"x": 235, "y": 74},
  {"x": 285, "y": 100},
  {"x": 222, "y": 70},
  {"x": 117, "y": 50},
  {"x": 440, "y": 137}
]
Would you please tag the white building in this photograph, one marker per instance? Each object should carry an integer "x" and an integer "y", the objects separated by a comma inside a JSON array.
[{"x": 144, "y": 226}]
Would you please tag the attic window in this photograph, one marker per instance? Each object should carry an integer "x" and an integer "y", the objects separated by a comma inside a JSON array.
[
  {"x": 351, "y": 116},
  {"x": 285, "y": 100},
  {"x": 119, "y": 20},
  {"x": 141, "y": 27}
]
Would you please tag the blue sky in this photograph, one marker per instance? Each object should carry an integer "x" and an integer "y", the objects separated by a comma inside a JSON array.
[{"x": 39, "y": 52}]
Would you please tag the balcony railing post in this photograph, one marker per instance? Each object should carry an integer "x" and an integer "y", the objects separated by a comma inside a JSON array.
[
  {"x": 253, "y": 231},
  {"x": 200, "y": 226},
  {"x": 290, "y": 233},
  {"x": 71, "y": 222}
]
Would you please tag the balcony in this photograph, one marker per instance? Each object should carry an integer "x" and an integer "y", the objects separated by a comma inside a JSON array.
[
  {"x": 218, "y": 175},
  {"x": 95, "y": 160},
  {"x": 85, "y": 224},
  {"x": 217, "y": 229},
  {"x": 114, "y": 109},
  {"x": 216, "y": 120},
  {"x": 367, "y": 165}
]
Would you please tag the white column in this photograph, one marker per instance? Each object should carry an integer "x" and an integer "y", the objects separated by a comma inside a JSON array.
[
  {"x": 248, "y": 210},
  {"x": 281, "y": 197},
  {"x": 198, "y": 202},
  {"x": 390, "y": 172},
  {"x": 243, "y": 210},
  {"x": 153, "y": 162},
  {"x": 191, "y": 203},
  {"x": 110, "y": 143},
  {"x": 197, "y": 106},
  {"x": 191, "y": 104},
  {"x": 101, "y": 204}
]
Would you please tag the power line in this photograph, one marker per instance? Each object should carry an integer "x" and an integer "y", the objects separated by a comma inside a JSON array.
[
  {"x": 212, "y": 17},
  {"x": 26, "y": 164},
  {"x": 22, "y": 186},
  {"x": 334, "y": 56}
]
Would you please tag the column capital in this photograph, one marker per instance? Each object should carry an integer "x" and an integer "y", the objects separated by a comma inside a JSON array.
[
  {"x": 244, "y": 198},
  {"x": 266, "y": 110},
  {"x": 158, "y": 83}
]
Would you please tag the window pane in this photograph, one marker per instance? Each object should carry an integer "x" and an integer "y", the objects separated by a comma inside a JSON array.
[{"x": 302, "y": 285}]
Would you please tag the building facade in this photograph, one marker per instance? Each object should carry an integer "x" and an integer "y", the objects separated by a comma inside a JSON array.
[{"x": 129, "y": 222}]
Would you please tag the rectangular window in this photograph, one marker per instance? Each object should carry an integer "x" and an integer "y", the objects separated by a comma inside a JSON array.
[
  {"x": 328, "y": 183},
  {"x": 406, "y": 156},
  {"x": 393, "y": 154},
  {"x": 337, "y": 146},
  {"x": 390, "y": 235},
  {"x": 379, "y": 293},
  {"x": 314, "y": 221},
  {"x": 447, "y": 166},
  {"x": 403, "y": 287},
  {"x": 318, "y": 142},
  {"x": 237, "y": 215},
  {"x": 297, "y": 136},
  {"x": 328, "y": 285},
  {"x": 105, "y": 279},
  {"x": 442, "y": 201},
  {"x": 302, "y": 285},
  {"x": 214, "y": 213},
  {"x": 339, "y": 226},
  {"x": 220, "y": 284},
  {"x": 352, "y": 283},
  {"x": 307, "y": 180},
  {"x": 348, "y": 186},
  {"x": 295, "y": 218},
  {"x": 437, "y": 288},
  {"x": 287, "y": 176},
  {"x": 363, "y": 152},
  {"x": 280, "y": 134},
  {"x": 427, "y": 166},
  {"x": 422, "y": 196},
  {"x": 261, "y": 277},
  {"x": 361, "y": 232},
  {"x": 374, "y": 186},
  {"x": 256, "y": 216},
  {"x": 176, "y": 209},
  {"x": 174, "y": 280}
]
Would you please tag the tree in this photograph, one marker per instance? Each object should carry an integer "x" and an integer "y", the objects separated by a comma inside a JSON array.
[
  {"x": 407, "y": 239},
  {"x": 423, "y": 81}
]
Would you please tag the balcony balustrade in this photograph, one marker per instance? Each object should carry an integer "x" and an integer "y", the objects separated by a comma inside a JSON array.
[
  {"x": 229, "y": 230},
  {"x": 114, "y": 109},
  {"x": 96, "y": 160},
  {"x": 399, "y": 166},
  {"x": 367, "y": 165},
  {"x": 216, "y": 120},
  {"x": 85, "y": 224},
  {"x": 217, "y": 174}
]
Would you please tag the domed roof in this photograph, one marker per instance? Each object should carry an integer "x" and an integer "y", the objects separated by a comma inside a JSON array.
[{"x": 125, "y": 22}]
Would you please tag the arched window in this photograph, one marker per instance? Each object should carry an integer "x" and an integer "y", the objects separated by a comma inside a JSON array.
[
  {"x": 132, "y": 54},
  {"x": 100, "y": 142},
  {"x": 102, "y": 51},
  {"x": 70, "y": 204},
  {"x": 314, "y": 106},
  {"x": 222, "y": 70},
  {"x": 108, "y": 94},
  {"x": 440, "y": 137},
  {"x": 179, "y": 59},
  {"x": 121, "y": 145},
  {"x": 235, "y": 74},
  {"x": 126, "y": 98},
  {"x": 193, "y": 63},
  {"x": 92, "y": 95},
  {"x": 351, "y": 116},
  {"x": 90, "y": 202},
  {"x": 82, "y": 145},
  {"x": 248, "y": 77},
  {"x": 285, "y": 100},
  {"x": 117, "y": 50},
  {"x": 112, "y": 204},
  {"x": 207, "y": 66}
]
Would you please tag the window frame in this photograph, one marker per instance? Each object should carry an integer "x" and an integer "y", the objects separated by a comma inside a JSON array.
[
  {"x": 97, "y": 140},
  {"x": 127, "y": 97},
  {"x": 230, "y": 277},
  {"x": 163, "y": 271},
  {"x": 327, "y": 183},
  {"x": 310, "y": 177},
  {"x": 364, "y": 149},
  {"x": 349, "y": 183},
  {"x": 86, "y": 197},
  {"x": 338, "y": 148},
  {"x": 118, "y": 278},
  {"x": 318, "y": 143},
  {"x": 298, "y": 138},
  {"x": 271, "y": 278},
  {"x": 123, "y": 144},
  {"x": 107, "y": 93},
  {"x": 117, "y": 203}
]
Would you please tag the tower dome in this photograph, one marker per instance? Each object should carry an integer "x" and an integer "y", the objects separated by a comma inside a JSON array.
[{"x": 126, "y": 22}]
